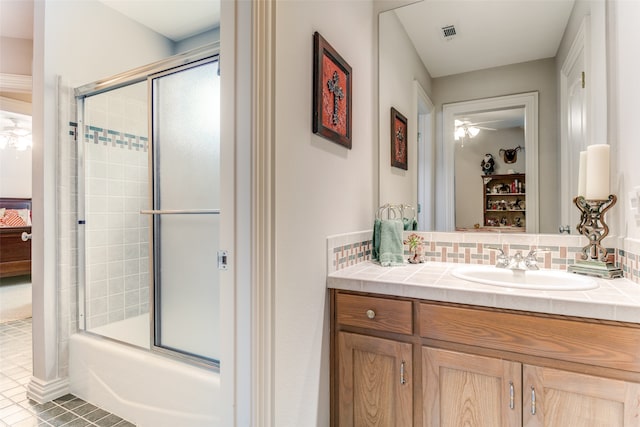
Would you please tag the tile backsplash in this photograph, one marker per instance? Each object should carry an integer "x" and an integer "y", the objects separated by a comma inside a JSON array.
[{"x": 554, "y": 251}]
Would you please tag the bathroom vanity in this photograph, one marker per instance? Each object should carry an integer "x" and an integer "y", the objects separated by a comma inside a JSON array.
[{"x": 415, "y": 346}]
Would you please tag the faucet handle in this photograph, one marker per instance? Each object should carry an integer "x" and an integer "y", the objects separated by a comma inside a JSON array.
[
  {"x": 535, "y": 251},
  {"x": 531, "y": 261},
  {"x": 502, "y": 260},
  {"x": 496, "y": 248}
]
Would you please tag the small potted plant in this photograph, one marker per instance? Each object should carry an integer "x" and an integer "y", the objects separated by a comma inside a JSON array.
[{"x": 414, "y": 241}]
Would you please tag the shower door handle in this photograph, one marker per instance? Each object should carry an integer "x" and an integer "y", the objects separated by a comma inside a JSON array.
[{"x": 180, "y": 212}]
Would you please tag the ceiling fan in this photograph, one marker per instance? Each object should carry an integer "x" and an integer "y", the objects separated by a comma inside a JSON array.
[
  {"x": 467, "y": 129},
  {"x": 14, "y": 135}
]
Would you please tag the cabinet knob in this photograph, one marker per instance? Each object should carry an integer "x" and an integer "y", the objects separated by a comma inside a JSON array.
[{"x": 371, "y": 314}]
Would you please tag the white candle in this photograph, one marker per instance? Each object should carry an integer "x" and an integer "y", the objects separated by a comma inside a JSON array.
[
  {"x": 597, "y": 187},
  {"x": 582, "y": 174}
]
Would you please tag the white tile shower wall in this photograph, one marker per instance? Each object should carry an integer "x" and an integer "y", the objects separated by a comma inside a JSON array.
[{"x": 117, "y": 235}]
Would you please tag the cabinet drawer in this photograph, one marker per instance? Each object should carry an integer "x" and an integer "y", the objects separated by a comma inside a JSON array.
[
  {"x": 374, "y": 313},
  {"x": 599, "y": 344}
]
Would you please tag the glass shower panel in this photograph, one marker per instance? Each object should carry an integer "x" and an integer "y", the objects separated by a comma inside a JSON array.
[
  {"x": 115, "y": 145},
  {"x": 186, "y": 200}
]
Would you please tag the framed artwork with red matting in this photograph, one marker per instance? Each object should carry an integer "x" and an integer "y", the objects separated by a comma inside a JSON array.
[
  {"x": 398, "y": 139},
  {"x": 331, "y": 93}
]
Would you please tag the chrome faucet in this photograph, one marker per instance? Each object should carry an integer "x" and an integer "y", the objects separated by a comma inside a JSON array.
[{"x": 517, "y": 261}]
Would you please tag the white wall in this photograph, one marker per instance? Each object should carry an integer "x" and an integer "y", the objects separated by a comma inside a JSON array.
[
  {"x": 15, "y": 56},
  {"x": 15, "y": 173},
  {"x": 511, "y": 79},
  {"x": 626, "y": 102},
  {"x": 197, "y": 40},
  {"x": 399, "y": 66},
  {"x": 322, "y": 188}
]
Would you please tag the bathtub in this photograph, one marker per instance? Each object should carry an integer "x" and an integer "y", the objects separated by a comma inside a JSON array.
[{"x": 146, "y": 389}]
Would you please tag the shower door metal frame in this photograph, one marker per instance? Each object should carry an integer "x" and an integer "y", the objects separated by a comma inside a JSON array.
[
  {"x": 154, "y": 253},
  {"x": 206, "y": 53}
]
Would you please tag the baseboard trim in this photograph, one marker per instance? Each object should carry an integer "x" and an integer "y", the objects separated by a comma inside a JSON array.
[{"x": 45, "y": 391}]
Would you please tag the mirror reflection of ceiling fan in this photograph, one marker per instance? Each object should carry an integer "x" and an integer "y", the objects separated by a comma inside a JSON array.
[{"x": 468, "y": 129}]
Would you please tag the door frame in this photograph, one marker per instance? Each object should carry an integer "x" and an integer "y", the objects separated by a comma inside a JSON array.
[
  {"x": 426, "y": 157},
  {"x": 528, "y": 101}
]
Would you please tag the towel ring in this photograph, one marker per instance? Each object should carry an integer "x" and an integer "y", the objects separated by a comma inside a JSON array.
[
  {"x": 408, "y": 207},
  {"x": 390, "y": 210}
]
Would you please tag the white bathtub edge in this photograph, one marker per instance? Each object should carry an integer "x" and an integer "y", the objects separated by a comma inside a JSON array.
[{"x": 144, "y": 388}]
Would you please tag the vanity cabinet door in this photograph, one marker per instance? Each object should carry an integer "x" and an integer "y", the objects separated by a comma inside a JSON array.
[
  {"x": 375, "y": 385},
  {"x": 556, "y": 398},
  {"x": 461, "y": 389}
]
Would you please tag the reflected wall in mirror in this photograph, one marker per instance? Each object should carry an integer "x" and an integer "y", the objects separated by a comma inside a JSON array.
[{"x": 480, "y": 63}]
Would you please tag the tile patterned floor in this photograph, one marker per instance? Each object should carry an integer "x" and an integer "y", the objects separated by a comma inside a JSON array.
[{"x": 16, "y": 410}]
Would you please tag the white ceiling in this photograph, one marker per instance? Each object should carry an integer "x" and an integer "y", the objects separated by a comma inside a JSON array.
[
  {"x": 490, "y": 33},
  {"x": 174, "y": 19}
]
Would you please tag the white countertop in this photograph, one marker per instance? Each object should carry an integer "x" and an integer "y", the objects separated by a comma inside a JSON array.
[{"x": 615, "y": 299}]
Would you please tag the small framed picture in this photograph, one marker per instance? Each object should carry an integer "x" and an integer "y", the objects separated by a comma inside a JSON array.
[
  {"x": 331, "y": 93},
  {"x": 398, "y": 139}
]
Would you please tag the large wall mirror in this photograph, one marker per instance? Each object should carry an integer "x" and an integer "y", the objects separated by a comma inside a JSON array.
[{"x": 448, "y": 67}]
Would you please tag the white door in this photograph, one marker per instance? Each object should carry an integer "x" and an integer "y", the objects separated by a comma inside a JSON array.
[{"x": 575, "y": 137}]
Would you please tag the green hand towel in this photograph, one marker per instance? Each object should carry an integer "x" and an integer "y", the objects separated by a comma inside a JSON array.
[
  {"x": 391, "y": 249},
  {"x": 375, "y": 252},
  {"x": 410, "y": 224}
]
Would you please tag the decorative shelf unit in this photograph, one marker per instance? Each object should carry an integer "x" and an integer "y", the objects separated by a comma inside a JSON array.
[{"x": 504, "y": 201}]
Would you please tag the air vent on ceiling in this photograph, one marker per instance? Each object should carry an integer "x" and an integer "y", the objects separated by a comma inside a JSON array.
[{"x": 448, "y": 32}]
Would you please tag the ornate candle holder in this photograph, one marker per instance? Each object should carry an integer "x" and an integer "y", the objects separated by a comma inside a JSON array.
[{"x": 594, "y": 256}]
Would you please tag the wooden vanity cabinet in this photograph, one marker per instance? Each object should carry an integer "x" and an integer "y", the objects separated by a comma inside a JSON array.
[
  {"x": 372, "y": 379},
  {"x": 418, "y": 363},
  {"x": 573, "y": 372},
  {"x": 556, "y": 398},
  {"x": 462, "y": 389}
]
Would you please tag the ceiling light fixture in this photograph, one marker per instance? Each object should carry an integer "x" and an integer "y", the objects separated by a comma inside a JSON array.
[
  {"x": 15, "y": 137},
  {"x": 463, "y": 130}
]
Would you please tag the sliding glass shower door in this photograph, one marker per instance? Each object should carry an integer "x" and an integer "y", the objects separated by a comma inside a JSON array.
[{"x": 185, "y": 147}]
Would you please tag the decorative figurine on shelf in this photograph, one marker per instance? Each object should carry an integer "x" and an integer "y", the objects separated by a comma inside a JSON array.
[
  {"x": 414, "y": 242},
  {"x": 487, "y": 164}
]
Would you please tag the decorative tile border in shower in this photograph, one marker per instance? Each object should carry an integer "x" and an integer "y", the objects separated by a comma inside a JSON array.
[
  {"x": 116, "y": 138},
  {"x": 555, "y": 251}
]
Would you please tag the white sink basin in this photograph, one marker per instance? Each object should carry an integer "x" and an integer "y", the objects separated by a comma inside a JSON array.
[{"x": 548, "y": 280}]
